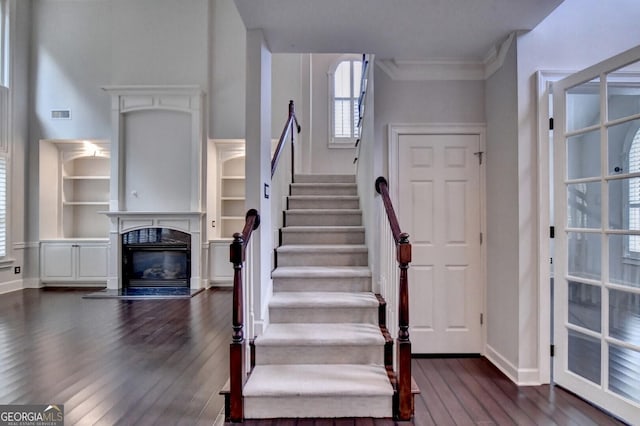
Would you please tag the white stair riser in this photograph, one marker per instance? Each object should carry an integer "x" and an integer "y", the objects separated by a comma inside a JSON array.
[
  {"x": 326, "y": 237},
  {"x": 317, "y": 406},
  {"x": 322, "y": 203},
  {"x": 323, "y": 315},
  {"x": 325, "y": 354},
  {"x": 348, "y": 284},
  {"x": 318, "y": 178},
  {"x": 309, "y": 189},
  {"x": 306, "y": 218},
  {"x": 311, "y": 258}
]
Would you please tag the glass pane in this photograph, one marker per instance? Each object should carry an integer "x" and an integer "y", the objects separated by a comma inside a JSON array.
[
  {"x": 342, "y": 122},
  {"x": 624, "y": 316},
  {"x": 584, "y": 201},
  {"x": 585, "y": 303},
  {"x": 583, "y": 105},
  {"x": 624, "y": 204},
  {"x": 584, "y": 255},
  {"x": 584, "y": 356},
  {"x": 357, "y": 76},
  {"x": 583, "y": 155},
  {"x": 623, "y": 92},
  {"x": 622, "y": 158},
  {"x": 624, "y": 372},
  {"x": 624, "y": 264},
  {"x": 342, "y": 80}
]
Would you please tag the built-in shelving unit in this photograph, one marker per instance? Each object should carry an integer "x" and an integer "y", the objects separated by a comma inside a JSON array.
[
  {"x": 74, "y": 191},
  {"x": 230, "y": 206}
]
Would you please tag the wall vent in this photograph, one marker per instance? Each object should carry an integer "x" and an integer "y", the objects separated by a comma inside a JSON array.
[{"x": 61, "y": 114}]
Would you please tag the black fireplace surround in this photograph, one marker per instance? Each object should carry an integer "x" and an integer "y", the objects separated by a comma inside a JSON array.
[{"x": 156, "y": 257}]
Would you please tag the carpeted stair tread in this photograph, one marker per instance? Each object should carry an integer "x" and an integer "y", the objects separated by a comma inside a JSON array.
[
  {"x": 294, "y": 380},
  {"x": 329, "y": 299},
  {"x": 301, "y": 334},
  {"x": 321, "y": 271},
  {"x": 323, "y": 178},
  {"x": 326, "y": 248}
]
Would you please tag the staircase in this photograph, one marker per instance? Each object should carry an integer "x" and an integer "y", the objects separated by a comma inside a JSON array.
[{"x": 323, "y": 353}]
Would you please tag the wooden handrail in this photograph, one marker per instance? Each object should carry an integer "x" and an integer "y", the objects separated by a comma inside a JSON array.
[
  {"x": 237, "y": 254},
  {"x": 403, "y": 257},
  {"x": 288, "y": 127}
]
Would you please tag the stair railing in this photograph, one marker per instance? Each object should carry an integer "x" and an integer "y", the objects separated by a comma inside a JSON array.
[
  {"x": 364, "y": 80},
  {"x": 403, "y": 258},
  {"x": 237, "y": 370},
  {"x": 283, "y": 170},
  {"x": 288, "y": 129}
]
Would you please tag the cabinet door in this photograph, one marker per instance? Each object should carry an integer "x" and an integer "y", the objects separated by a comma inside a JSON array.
[
  {"x": 57, "y": 262},
  {"x": 221, "y": 269},
  {"x": 92, "y": 262}
]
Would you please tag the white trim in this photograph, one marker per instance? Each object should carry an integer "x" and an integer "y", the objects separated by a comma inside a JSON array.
[
  {"x": 544, "y": 78},
  {"x": 520, "y": 376},
  {"x": 448, "y": 68},
  {"x": 10, "y": 286},
  {"x": 479, "y": 129}
]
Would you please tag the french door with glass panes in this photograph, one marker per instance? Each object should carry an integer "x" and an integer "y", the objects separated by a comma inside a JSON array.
[{"x": 597, "y": 217}]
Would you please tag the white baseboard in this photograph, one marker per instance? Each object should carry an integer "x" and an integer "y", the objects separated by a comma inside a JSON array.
[
  {"x": 32, "y": 283},
  {"x": 9, "y": 286},
  {"x": 519, "y": 376}
]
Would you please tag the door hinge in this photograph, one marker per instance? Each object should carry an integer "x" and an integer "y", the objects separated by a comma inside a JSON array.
[
  {"x": 550, "y": 123},
  {"x": 552, "y": 350},
  {"x": 481, "y": 238},
  {"x": 551, "y": 260},
  {"x": 481, "y": 319},
  {"x": 479, "y": 154},
  {"x": 552, "y": 232}
]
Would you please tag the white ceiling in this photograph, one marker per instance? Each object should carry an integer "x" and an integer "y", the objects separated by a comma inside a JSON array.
[{"x": 392, "y": 29}]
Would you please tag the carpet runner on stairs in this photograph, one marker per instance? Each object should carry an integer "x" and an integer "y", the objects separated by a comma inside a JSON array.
[{"x": 323, "y": 353}]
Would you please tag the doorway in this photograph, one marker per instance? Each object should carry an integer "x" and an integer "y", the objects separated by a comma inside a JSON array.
[{"x": 436, "y": 177}]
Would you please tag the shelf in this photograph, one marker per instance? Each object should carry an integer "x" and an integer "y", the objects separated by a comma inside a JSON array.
[
  {"x": 232, "y": 198},
  {"x": 232, "y": 218},
  {"x": 85, "y": 203},
  {"x": 84, "y": 177},
  {"x": 233, "y": 177}
]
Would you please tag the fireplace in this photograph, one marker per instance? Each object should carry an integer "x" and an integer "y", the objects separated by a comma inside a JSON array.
[{"x": 156, "y": 257}]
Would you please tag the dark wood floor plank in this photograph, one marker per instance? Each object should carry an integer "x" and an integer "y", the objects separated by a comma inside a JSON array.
[
  {"x": 485, "y": 379},
  {"x": 429, "y": 394},
  {"x": 515, "y": 394},
  {"x": 446, "y": 369},
  {"x": 450, "y": 400},
  {"x": 485, "y": 399}
]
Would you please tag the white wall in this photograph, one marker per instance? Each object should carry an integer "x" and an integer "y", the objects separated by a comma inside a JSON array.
[{"x": 502, "y": 213}]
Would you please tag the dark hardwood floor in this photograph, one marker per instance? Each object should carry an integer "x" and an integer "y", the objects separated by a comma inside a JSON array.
[{"x": 160, "y": 362}]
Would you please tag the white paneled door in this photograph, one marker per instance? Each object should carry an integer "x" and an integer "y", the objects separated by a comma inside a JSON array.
[
  {"x": 597, "y": 217},
  {"x": 439, "y": 205}
]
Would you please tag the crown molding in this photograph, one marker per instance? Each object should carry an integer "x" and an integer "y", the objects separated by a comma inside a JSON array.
[{"x": 448, "y": 69}]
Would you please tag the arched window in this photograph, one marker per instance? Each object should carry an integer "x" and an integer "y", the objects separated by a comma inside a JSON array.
[
  {"x": 344, "y": 90},
  {"x": 634, "y": 196}
]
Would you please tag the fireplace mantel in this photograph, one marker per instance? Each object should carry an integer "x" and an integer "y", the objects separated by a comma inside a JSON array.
[{"x": 189, "y": 222}]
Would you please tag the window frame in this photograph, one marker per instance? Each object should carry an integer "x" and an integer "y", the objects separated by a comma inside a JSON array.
[
  {"x": 634, "y": 144},
  {"x": 340, "y": 141}
]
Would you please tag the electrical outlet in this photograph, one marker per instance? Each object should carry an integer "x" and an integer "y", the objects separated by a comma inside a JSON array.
[{"x": 16, "y": 270}]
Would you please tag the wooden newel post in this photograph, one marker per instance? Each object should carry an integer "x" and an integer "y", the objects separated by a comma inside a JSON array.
[
  {"x": 405, "y": 398},
  {"x": 237, "y": 347}
]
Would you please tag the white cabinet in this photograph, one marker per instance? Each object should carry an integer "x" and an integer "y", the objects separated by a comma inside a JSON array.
[
  {"x": 220, "y": 268},
  {"x": 73, "y": 261}
]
